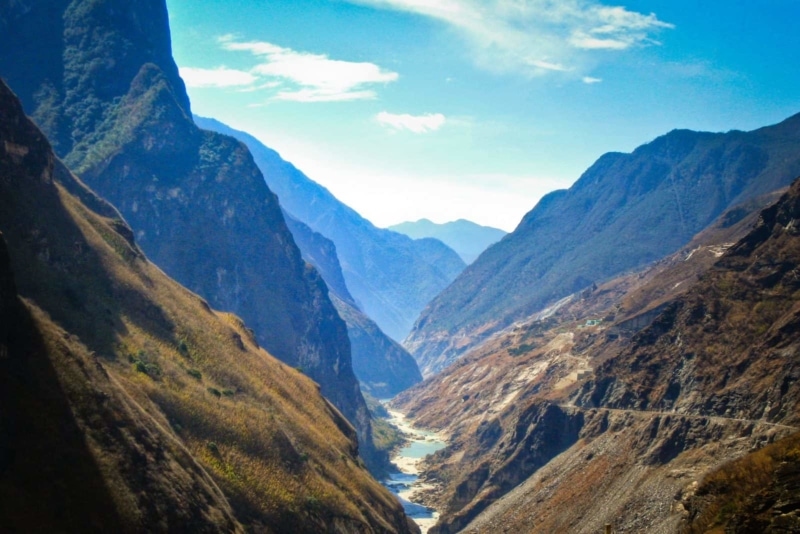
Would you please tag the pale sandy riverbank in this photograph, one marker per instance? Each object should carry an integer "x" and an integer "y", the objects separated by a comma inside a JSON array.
[{"x": 406, "y": 484}]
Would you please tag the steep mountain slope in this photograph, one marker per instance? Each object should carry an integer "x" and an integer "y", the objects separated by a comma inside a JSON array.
[
  {"x": 196, "y": 201},
  {"x": 625, "y": 211},
  {"x": 391, "y": 276},
  {"x": 320, "y": 252},
  {"x": 612, "y": 406},
  {"x": 127, "y": 404},
  {"x": 382, "y": 366},
  {"x": 465, "y": 237}
]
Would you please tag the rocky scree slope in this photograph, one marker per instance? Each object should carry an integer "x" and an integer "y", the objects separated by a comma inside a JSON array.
[
  {"x": 625, "y": 211},
  {"x": 588, "y": 415},
  {"x": 196, "y": 201},
  {"x": 127, "y": 404},
  {"x": 383, "y": 367},
  {"x": 391, "y": 276}
]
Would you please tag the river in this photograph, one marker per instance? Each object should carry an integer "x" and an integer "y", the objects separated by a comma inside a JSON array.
[{"x": 406, "y": 483}]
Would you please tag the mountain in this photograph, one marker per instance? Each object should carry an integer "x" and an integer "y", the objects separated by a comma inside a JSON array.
[
  {"x": 391, "y": 276},
  {"x": 756, "y": 493},
  {"x": 619, "y": 404},
  {"x": 468, "y": 239},
  {"x": 382, "y": 366},
  {"x": 106, "y": 88},
  {"x": 127, "y": 404},
  {"x": 625, "y": 211},
  {"x": 320, "y": 252}
]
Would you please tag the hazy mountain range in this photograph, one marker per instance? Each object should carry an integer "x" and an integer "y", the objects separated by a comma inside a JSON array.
[
  {"x": 391, "y": 276},
  {"x": 465, "y": 237},
  {"x": 382, "y": 366}
]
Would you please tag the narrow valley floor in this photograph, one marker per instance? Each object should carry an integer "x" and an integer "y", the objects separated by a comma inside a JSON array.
[{"x": 406, "y": 484}]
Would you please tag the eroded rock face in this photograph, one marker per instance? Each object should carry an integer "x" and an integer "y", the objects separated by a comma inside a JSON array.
[{"x": 727, "y": 347}]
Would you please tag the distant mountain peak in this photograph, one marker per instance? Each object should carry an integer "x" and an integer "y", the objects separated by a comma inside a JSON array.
[{"x": 467, "y": 238}]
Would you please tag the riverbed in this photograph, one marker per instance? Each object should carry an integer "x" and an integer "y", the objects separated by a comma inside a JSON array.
[{"x": 406, "y": 483}]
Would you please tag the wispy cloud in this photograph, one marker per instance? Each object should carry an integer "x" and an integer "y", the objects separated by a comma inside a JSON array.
[
  {"x": 217, "y": 77},
  {"x": 419, "y": 124},
  {"x": 535, "y": 37},
  {"x": 589, "y": 80},
  {"x": 307, "y": 77}
]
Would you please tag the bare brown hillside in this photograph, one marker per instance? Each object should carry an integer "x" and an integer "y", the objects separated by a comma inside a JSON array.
[{"x": 613, "y": 404}]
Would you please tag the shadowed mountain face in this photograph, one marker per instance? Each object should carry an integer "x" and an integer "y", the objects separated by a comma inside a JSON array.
[
  {"x": 465, "y": 237},
  {"x": 197, "y": 203},
  {"x": 625, "y": 211},
  {"x": 391, "y": 276},
  {"x": 127, "y": 404},
  {"x": 383, "y": 367}
]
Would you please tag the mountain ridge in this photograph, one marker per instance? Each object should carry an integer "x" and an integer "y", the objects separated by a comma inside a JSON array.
[
  {"x": 467, "y": 238},
  {"x": 647, "y": 203},
  {"x": 382, "y": 366}
]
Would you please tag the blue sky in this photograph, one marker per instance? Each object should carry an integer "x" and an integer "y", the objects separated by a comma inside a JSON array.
[{"x": 474, "y": 109}]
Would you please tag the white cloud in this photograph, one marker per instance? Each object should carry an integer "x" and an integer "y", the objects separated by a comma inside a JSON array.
[
  {"x": 217, "y": 77},
  {"x": 536, "y": 36},
  {"x": 311, "y": 77},
  {"x": 588, "y": 42},
  {"x": 591, "y": 80},
  {"x": 429, "y": 122}
]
